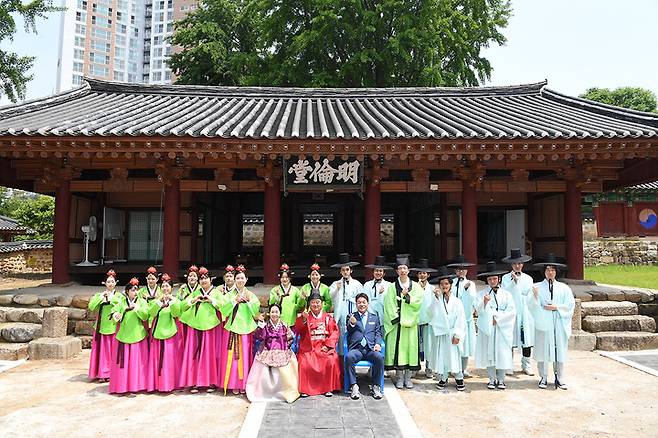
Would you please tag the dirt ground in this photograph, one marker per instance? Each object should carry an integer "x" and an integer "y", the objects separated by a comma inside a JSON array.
[
  {"x": 605, "y": 398},
  {"x": 54, "y": 398},
  {"x": 9, "y": 283}
]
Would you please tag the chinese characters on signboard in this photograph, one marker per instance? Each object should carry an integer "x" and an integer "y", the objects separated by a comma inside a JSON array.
[{"x": 323, "y": 175}]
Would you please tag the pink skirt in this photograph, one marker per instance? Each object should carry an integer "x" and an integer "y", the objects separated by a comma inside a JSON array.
[
  {"x": 164, "y": 364},
  {"x": 234, "y": 380},
  {"x": 100, "y": 361},
  {"x": 129, "y": 367},
  {"x": 199, "y": 362}
]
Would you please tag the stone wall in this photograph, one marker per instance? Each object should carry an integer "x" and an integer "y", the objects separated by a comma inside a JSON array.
[
  {"x": 623, "y": 251},
  {"x": 26, "y": 261}
]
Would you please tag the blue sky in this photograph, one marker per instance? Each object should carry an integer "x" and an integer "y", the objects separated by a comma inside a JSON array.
[{"x": 574, "y": 44}]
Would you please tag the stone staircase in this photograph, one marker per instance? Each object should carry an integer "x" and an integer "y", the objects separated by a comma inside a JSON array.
[
  {"x": 43, "y": 327},
  {"x": 618, "y": 325}
]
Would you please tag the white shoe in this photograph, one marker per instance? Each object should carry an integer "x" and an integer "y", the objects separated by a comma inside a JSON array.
[
  {"x": 543, "y": 384},
  {"x": 407, "y": 380},
  {"x": 467, "y": 375},
  {"x": 355, "y": 394},
  {"x": 562, "y": 386},
  {"x": 399, "y": 383},
  {"x": 528, "y": 372},
  {"x": 509, "y": 372}
]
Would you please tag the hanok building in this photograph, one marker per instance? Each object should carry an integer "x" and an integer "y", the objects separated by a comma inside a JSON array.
[{"x": 178, "y": 173}]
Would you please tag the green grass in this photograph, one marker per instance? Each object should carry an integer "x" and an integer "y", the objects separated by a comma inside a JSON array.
[{"x": 624, "y": 275}]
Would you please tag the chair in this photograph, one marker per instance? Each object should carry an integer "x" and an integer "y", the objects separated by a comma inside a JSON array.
[{"x": 362, "y": 363}]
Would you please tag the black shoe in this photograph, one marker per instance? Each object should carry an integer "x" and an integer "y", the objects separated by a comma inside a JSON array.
[
  {"x": 441, "y": 384},
  {"x": 460, "y": 384}
]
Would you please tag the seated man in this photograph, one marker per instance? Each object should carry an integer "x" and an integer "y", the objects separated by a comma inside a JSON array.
[{"x": 364, "y": 341}]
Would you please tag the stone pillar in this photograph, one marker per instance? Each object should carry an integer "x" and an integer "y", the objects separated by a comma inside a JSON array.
[
  {"x": 60, "y": 273},
  {"x": 573, "y": 229},
  {"x": 469, "y": 226},
  {"x": 171, "y": 228},
  {"x": 272, "y": 231},
  {"x": 372, "y": 219}
]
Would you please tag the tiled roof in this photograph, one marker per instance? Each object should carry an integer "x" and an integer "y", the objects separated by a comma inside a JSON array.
[
  {"x": 8, "y": 224},
  {"x": 516, "y": 112},
  {"x": 23, "y": 245}
]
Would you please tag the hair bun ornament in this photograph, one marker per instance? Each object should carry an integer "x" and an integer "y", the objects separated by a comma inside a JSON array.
[
  {"x": 229, "y": 268},
  {"x": 111, "y": 273},
  {"x": 166, "y": 278},
  {"x": 203, "y": 272},
  {"x": 134, "y": 281},
  {"x": 193, "y": 268},
  {"x": 152, "y": 270},
  {"x": 284, "y": 267},
  {"x": 241, "y": 268},
  {"x": 315, "y": 267}
]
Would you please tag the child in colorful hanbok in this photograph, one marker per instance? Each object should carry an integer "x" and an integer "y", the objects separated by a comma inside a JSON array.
[{"x": 286, "y": 296}]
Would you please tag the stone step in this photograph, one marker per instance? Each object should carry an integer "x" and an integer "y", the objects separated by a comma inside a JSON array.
[
  {"x": 609, "y": 308},
  {"x": 582, "y": 340},
  {"x": 13, "y": 351},
  {"x": 65, "y": 347},
  {"x": 619, "y": 341},
  {"x": 624, "y": 323},
  {"x": 40, "y": 302},
  {"x": 19, "y": 332}
]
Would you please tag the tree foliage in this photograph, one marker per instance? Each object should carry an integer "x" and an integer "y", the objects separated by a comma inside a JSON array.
[
  {"x": 636, "y": 98},
  {"x": 14, "y": 68},
  {"x": 31, "y": 210},
  {"x": 338, "y": 43}
]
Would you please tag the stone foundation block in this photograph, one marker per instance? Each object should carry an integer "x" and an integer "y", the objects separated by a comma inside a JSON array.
[
  {"x": 55, "y": 322},
  {"x": 54, "y": 348}
]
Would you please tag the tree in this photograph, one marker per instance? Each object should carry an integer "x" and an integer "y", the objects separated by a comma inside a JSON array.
[
  {"x": 14, "y": 68},
  {"x": 339, "y": 43},
  {"x": 635, "y": 98},
  {"x": 31, "y": 210}
]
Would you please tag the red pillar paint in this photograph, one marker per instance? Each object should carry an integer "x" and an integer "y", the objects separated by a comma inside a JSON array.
[
  {"x": 61, "y": 234},
  {"x": 372, "y": 213},
  {"x": 469, "y": 227},
  {"x": 171, "y": 229},
  {"x": 272, "y": 232},
  {"x": 574, "y": 230}
]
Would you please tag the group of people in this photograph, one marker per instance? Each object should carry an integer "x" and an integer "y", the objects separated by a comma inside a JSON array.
[{"x": 209, "y": 337}]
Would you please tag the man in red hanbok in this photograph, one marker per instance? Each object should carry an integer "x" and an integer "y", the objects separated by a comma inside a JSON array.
[{"x": 319, "y": 366}]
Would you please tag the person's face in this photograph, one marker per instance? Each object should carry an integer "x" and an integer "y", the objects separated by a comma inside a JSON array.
[
  {"x": 205, "y": 282},
  {"x": 240, "y": 280},
  {"x": 132, "y": 292},
  {"x": 315, "y": 276},
  {"x": 403, "y": 271},
  {"x": 461, "y": 272},
  {"x": 151, "y": 280},
  {"x": 378, "y": 273},
  {"x": 362, "y": 304},
  {"x": 550, "y": 272},
  {"x": 315, "y": 305},
  {"x": 275, "y": 314},
  {"x": 493, "y": 281},
  {"x": 445, "y": 285},
  {"x": 110, "y": 283},
  {"x": 166, "y": 288},
  {"x": 422, "y": 276},
  {"x": 285, "y": 280},
  {"x": 229, "y": 279},
  {"x": 346, "y": 272},
  {"x": 517, "y": 267},
  {"x": 192, "y": 278}
]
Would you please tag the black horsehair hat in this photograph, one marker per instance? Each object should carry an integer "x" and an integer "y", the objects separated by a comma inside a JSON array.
[
  {"x": 491, "y": 271},
  {"x": 380, "y": 263},
  {"x": 550, "y": 260},
  {"x": 422, "y": 266},
  {"x": 516, "y": 257},
  {"x": 442, "y": 273},
  {"x": 460, "y": 262},
  {"x": 344, "y": 260}
]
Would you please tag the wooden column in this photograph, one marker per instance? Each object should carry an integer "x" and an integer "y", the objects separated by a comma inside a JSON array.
[
  {"x": 469, "y": 226},
  {"x": 372, "y": 221},
  {"x": 171, "y": 229},
  {"x": 60, "y": 273},
  {"x": 574, "y": 229},
  {"x": 272, "y": 231}
]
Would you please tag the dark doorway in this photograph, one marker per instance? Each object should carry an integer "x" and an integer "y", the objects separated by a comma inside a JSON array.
[{"x": 491, "y": 235}]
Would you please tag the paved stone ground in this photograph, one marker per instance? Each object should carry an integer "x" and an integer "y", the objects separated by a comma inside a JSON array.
[
  {"x": 646, "y": 360},
  {"x": 332, "y": 417}
]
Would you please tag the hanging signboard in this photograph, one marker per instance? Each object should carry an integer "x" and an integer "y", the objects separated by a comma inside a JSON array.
[{"x": 323, "y": 175}]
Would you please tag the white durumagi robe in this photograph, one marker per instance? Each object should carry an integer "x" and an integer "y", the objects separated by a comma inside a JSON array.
[
  {"x": 494, "y": 342},
  {"x": 447, "y": 320},
  {"x": 552, "y": 327},
  {"x": 376, "y": 293},
  {"x": 423, "y": 319},
  {"x": 521, "y": 291},
  {"x": 344, "y": 303},
  {"x": 468, "y": 297}
]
